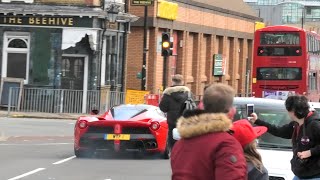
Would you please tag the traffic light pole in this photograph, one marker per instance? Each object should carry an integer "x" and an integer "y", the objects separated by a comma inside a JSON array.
[
  {"x": 145, "y": 50},
  {"x": 164, "y": 76}
]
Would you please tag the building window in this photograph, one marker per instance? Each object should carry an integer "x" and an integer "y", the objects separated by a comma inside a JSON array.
[
  {"x": 17, "y": 43},
  {"x": 65, "y": 67},
  {"x": 313, "y": 81},
  {"x": 78, "y": 68},
  {"x": 15, "y": 62},
  {"x": 292, "y": 13},
  {"x": 268, "y": 2},
  {"x": 111, "y": 59}
]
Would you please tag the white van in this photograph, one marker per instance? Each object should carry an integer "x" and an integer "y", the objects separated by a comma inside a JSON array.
[
  {"x": 315, "y": 106},
  {"x": 276, "y": 152}
]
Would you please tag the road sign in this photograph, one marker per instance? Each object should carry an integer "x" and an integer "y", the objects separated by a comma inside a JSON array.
[
  {"x": 136, "y": 96},
  {"x": 141, "y": 2},
  {"x": 219, "y": 67}
]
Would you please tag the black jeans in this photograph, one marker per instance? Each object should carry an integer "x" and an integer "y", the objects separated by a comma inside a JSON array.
[{"x": 171, "y": 141}]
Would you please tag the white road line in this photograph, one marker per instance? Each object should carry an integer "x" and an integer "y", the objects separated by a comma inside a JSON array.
[
  {"x": 64, "y": 160},
  {"x": 27, "y": 174}
]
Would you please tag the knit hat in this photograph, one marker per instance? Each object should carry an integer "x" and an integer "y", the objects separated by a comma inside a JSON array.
[{"x": 245, "y": 133}]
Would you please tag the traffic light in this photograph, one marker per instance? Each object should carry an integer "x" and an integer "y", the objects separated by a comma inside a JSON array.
[{"x": 166, "y": 44}]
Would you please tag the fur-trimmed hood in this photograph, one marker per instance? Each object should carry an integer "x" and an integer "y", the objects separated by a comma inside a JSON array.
[
  {"x": 173, "y": 89},
  {"x": 198, "y": 122}
]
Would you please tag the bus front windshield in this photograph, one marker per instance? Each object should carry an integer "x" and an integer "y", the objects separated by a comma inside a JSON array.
[{"x": 272, "y": 73}]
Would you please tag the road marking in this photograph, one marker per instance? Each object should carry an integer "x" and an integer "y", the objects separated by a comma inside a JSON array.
[
  {"x": 27, "y": 174},
  {"x": 64, "y": 160}
]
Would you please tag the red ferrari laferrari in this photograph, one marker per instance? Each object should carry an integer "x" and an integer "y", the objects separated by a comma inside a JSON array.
[{"x": 142, "y": 128}]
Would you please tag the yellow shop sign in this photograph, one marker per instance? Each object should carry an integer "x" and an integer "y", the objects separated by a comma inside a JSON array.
[
  {"x": 167, "y": 10},
  {"x": 259, "y": 25}
]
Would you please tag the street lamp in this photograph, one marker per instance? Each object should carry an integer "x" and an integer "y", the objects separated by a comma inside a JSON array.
[{"x": 302, "y": 16}]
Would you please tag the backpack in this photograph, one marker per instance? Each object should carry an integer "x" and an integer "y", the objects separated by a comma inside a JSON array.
[{"x": 188, "y": 104}]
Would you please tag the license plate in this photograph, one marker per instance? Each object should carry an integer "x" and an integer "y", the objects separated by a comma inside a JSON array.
[{"x": 124, "y": 137}]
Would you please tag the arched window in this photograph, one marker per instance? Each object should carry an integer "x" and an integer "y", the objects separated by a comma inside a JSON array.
[
  {"x": 17, "y": 43},
  {"x": 78, "y": 68},
  {"x": 15, "y": 60},
  {"x": 65, "y": 67}
]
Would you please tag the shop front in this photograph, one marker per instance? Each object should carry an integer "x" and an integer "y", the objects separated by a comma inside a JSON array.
[{"x": 50, "y": 52}]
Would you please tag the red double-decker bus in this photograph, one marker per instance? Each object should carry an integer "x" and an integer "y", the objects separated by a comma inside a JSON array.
[{"x": 286, "y": 61}]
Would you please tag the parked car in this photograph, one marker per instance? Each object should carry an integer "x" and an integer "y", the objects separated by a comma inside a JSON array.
[
  {"x": 141, "y": 128},
  {"x": 276, "y": 152}
]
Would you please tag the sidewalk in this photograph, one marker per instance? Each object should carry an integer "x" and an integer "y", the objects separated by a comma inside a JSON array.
[{"x": 41, "y": 115}]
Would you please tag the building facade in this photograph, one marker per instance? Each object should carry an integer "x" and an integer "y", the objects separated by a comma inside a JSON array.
[
  {"x": 50, "y": 44},
  {"x": 304, "y": 14},
  {"x": 69, "y": 44},
  {"x": 212, "y": 42}
]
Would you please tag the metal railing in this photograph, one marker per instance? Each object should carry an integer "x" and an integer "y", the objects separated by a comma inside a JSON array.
[{"x": 62, "y": 100}]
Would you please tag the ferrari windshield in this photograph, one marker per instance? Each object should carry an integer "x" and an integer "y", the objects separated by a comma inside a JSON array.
[{"x": 127, "y": 112}]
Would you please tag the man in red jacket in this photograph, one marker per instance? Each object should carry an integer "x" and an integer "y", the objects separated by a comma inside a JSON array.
[{"x": 207, "y": 151}]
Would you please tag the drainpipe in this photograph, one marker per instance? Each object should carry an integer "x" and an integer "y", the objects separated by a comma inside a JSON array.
[
  {"x": 100, "y": 60},
  {"x": 125, "y": 39}
]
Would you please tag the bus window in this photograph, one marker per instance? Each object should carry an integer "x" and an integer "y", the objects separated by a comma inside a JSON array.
[
  {"x": 279, "y": 73},
  {"x": 279, "y": 51},
  {"x": 279, "y": 38}
]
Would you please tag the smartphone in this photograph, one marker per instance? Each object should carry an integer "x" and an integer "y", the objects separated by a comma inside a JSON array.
[{"x": 250, "y": 109}]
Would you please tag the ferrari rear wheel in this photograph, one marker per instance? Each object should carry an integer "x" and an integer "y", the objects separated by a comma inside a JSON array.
[{"x": 83, "y": 153}]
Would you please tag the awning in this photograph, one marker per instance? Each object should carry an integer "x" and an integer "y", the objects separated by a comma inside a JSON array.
[{"x": 71, "y": 36}]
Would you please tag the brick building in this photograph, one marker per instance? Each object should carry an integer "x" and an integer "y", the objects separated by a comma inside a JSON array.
[{"x": 203, "y": 30}]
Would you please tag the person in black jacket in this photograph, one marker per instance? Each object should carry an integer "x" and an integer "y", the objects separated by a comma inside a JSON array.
[
  {"x": 304, "y": 130},
  {"x": 171, "y": 102}
]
